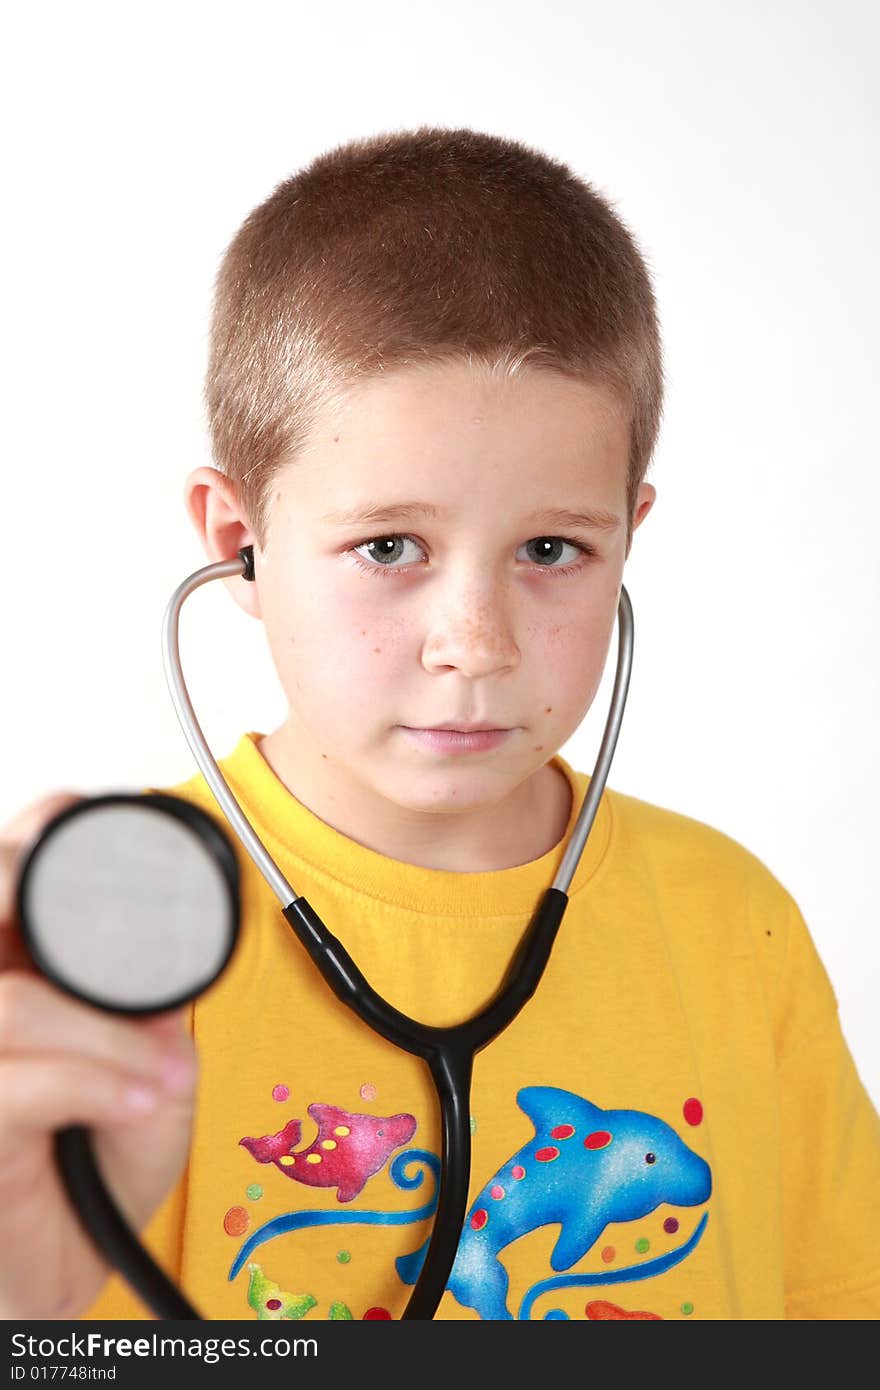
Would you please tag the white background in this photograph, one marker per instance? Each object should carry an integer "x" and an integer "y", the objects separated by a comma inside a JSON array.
[{"x": 739, "y": 142}]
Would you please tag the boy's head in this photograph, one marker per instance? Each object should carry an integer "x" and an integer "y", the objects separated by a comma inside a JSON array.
[{"x": 447, "y": 318}]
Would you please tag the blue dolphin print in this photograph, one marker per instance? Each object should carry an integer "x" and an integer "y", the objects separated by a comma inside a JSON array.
[{"x": 585, "y": 1169}]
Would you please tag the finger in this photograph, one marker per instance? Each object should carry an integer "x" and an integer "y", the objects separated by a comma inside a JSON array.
[
  {"x": 41, "y": 1095},
  {"x": 28, "y": 823},
  {"x": 37, "y": 1018},
  {"x": 171, "y": 1027},
  {"x": 13, "y": 955}
]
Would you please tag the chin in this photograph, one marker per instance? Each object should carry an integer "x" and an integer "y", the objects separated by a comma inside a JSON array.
[{"x": 449, "y": 790}]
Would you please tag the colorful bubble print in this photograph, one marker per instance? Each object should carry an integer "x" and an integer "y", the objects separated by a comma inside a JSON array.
[
  {"x": 368, "y": 1091},
  {"x": 236, "y": 1221},
  {"x": 693, "y": 1111},
  {"x": 280, "y": 1092}
]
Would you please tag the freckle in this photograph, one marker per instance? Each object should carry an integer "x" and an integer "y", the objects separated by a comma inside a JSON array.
[
  {"x": 336, "y": 439},
  {"x": 363, "y": 632},
  {"x": 548, "y": 710},
  {"x": 539, "y": 748},
  {"x": 323, "y": 755},
  {"x": 378, "y": 651}
]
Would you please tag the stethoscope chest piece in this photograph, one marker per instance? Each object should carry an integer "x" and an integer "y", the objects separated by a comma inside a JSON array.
[{"x": 131, "y": 903}]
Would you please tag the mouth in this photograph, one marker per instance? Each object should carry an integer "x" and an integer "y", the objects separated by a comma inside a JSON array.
[
  {"x": 466, "y": 740},
  {"x": 460, "y": 728}
]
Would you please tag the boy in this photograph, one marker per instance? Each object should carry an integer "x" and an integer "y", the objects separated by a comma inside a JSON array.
[{"x": 435, "y": 363}]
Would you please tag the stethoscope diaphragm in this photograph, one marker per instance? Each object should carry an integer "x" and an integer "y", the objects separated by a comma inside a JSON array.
[{"x": 131, "y": 902}]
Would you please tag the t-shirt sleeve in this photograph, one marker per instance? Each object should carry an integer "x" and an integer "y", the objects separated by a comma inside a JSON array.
[{"x": 830, "y": 1136}]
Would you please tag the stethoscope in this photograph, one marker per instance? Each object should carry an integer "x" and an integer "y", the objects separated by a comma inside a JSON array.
[{"x": 119, "y": 872}]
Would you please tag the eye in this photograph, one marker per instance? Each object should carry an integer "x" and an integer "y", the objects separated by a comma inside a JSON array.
[
  {"x": 546, "y": 549},
  {"x": 650, "y": 1158},
  {"x": 384, "y": 551},
  {"x": 387, "y": 549}
]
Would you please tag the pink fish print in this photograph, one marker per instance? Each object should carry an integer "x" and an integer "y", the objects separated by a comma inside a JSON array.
[{"x": 347, "y": 1150}]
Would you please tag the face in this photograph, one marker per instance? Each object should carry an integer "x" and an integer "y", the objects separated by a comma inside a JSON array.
[{"x": 480, "y": 603}]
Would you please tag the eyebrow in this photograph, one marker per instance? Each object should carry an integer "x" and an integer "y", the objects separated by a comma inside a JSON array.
[{"x": 596, "y": 518}]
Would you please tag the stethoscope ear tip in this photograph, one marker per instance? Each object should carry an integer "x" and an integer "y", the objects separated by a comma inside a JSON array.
[{"x": 246, "y": 555}]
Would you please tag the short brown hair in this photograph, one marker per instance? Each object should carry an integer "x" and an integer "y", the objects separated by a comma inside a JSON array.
[{"x": 415, "y": 247}]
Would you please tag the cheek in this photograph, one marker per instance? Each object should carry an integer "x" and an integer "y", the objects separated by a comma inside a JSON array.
[
  {"x": 351, "y": 655},
  {"x": 570, "y": 656},
  {"x": 365, "y": 637}
]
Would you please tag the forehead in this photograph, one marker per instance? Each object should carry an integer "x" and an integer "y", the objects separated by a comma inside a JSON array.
[{"x": 455, "y": 431}]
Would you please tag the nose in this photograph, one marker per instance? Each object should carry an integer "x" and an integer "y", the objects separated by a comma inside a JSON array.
[{"x": 472, "y": 632}]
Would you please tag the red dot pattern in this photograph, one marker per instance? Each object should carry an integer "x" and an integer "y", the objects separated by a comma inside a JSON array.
[
  {"x": 562, "y": 1132},
  {"x": 693, "y": 1111},
  {"x": 599, "y": 1139},
  {"x": 377, "y": 1315},
  {"x": 547, "y": 1155},
  {"x": 479, "y": 1219}
]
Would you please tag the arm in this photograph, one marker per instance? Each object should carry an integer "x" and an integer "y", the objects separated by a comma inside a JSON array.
[{"x": 830, "y": 1135}]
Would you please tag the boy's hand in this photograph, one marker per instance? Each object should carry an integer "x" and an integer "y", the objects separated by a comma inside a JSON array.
[{"x": 63, "y": 1062}]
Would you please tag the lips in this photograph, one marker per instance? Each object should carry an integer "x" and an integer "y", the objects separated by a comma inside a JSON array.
[
  {"x": 454, "y": 741},
  {"x": 452, "y": 727}
]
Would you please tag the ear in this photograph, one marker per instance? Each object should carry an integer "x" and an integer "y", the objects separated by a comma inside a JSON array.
[
  {"x": 219, "y": 518},
  {"x": 647, "y": 496}
]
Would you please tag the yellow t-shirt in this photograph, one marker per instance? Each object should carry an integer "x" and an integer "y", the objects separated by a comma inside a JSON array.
[{"x": 673, "y": 1127}]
